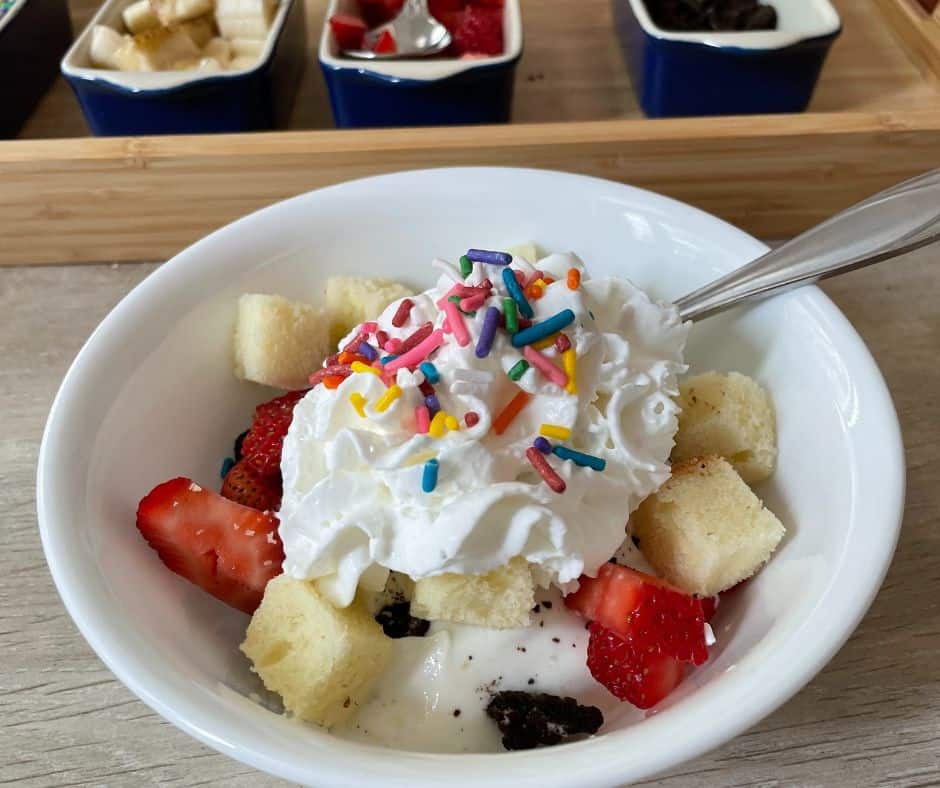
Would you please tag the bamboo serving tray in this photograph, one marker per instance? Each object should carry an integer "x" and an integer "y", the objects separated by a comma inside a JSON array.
[{"x": 875, "y": 120}]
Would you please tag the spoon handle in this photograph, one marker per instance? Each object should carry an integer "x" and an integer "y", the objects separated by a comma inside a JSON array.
[{"x": 891, "y": 223}]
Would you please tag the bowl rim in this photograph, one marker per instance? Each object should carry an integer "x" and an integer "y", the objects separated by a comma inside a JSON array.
[
  {"x": 420, "y": 71},
  {"x": 7, "y": 18},
  {"x": 161, "y": 83},
  {"x": 878, "y": 499},
  {"x": 745, "y": 40}
]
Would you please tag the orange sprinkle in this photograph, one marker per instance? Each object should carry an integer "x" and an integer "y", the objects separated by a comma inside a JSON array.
[
  {"x": 333, "y": 381},
  {"x": 534, "y": 291},
  {"x": 508, "y": 414},
  {"x": 549, "y": 280},
  {"x": 348, "y": 358},
  {"x": 574, "y": 278}
]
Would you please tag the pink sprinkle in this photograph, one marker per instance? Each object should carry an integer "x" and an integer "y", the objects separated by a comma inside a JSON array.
[
  {"x": 392, "y": 346},
  {"x": 543, "y": 365},
  {"x": 369, "y": 328},
  {"x": 520, "y": 277},
  {"x": 423, "y": 415},
  {"x": 418, "y": 353},
  {"x": 457, "y": 324},
  {"x": 562, "y": 343},
  {"x": 333, "y": 370},
  {"x": 381, "y": 337},
  {"x": 401, "y": 314},
  {"x": 445, "y": 326},
  {"x": 472, "y": 418},
  {"x": 472, "y": 303}
]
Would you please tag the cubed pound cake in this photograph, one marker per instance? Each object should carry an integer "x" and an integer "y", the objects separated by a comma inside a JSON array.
[
  {"x": 501, "y": 599},
  {"x": 704, "y": 530},
  {"x": 320, "y": 659},
  {"x": 279, "y": 342},
  {"x": 731, "y": 416},
  {"x": 353, "y": 300}
]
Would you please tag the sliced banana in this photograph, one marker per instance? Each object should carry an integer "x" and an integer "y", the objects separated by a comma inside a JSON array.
[{"x": 241, "y": 19}]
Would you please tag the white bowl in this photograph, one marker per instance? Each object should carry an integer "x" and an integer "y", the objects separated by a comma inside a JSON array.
[{"x": 151, "y": 396}]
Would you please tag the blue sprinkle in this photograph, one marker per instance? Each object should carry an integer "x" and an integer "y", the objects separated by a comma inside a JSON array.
[
  {"x": 513, "y": 288},
  {"x": 431, "y": 374},
  {"x": 429, "y": 477},
  {"x": 544, "y": 329},
  {"x": 579, "y": 458},
  {"x": 365, "y": 349},
  {"x": 542, "y": 445},
  {"x": 484, "y": 256},
  {"x": 386, "y": 359},
  {"x": 488, "y": 332},
  {"x": 433, "y": 404},
  {"x": 227, "y": 464}
]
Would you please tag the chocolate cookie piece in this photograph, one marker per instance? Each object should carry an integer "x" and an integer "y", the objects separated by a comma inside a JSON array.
[
  {"x": 397, "y": 622},
  {"x": 536, "y": 719}
]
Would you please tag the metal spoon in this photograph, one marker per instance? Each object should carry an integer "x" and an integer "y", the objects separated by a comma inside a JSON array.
[
  {"x": 892, "y": 223},
  {"x": 416, "y": 34}
]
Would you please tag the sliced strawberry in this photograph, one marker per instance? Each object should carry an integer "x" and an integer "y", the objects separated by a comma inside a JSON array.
[
  {"x": 265, "y": 439},
  {"x": 349, "y": 31},
  {"x": 378, "y": 12},
  {"x": 645, "y": 610},
  {"x": 641, "y": 677},
  {"x": 226, "y": 549},
  {"x": 438, "y": 7},
  {"x": 245, "y": 485},
  {"x": 385, "y": 44},
  {"x": 479, "y": 31}
]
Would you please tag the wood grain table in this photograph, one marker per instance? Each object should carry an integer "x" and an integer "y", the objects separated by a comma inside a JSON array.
[{"x": 871, "y": 718}]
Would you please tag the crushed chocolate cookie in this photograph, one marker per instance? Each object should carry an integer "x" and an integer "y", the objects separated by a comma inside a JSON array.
[
  {"x": 716, "y": 15},
  {"x": 397, "y": 622},
  {"x": 536, "y": 609},
  {"x": 456, "y": 712},
  {"x": 530, "y": 682},
  {"x": 547, "y": 605},
  {"x": 556, "y": 640},
  {"x": 536, "y": 719}
]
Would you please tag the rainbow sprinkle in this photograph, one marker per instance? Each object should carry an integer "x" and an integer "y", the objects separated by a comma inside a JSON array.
[
  {"x": 508, "y": 414},
  {"x": 438, "y": 425},
  {"x": 545, "y": 366},
  {"x": 392, "y": 393},
  {"x": 487, "y": 332},
  {"x": 431, "y": 375},
  {"x": 515, "y": 290},
  {"x": 402, "y": 313},
  {"x": 543, "y": 329},
  {"x": 542, "y": 445},
  {"x": 518, "y": 369},
  {"x": 418, "y": 353},
  {"x": 471, "y": 418},
  {"x": 457, "y": 324},
  {"x": 491, "y": 258},
  {"x": 433, "y": 404},
  {"x": 429, "y": 477},
  {"x": 358, "y": 366},
  {"x": 552, "y": 479},
  {"x": 451, "y": 423},
  {"x": 573, "y": 279},
  {"x": 423, "y": 417},
  {"x": 369, "y": 352},
  {"x": 359, "y": 403},
  {"x": 555, "y": 431},
  {"x": 569, "y": 360},
  {"x": 580, "y": 458},
  {"x": 466, "y": 266},
  {"x": 511, "y": 315}
]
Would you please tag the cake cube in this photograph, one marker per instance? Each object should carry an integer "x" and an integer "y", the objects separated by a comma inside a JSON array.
[
  {"x": 731, "y": 416},
  {"x": 352, "y": 300},
  {"x": 320, "y": 659},
  {"x": 704, "y": 530},
  {"x": 501, "y": 599},
  {"x": 279, "y": 342}
]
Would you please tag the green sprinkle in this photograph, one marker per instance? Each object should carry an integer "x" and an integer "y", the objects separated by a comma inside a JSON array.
[
  {"x": 511, "y": 315},
  {"x": 466, "y": 267},
  {"x": 456, "y": 300},
  {"x": 518, "y": 369}
]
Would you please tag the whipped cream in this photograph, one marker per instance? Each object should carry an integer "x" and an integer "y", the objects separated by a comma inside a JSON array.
[{"x": 353, "y": 505}]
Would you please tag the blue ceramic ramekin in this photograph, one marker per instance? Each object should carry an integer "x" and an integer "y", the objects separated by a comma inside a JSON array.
[
  {"x": 430, "y": 92},
  {"x": 190, "y": 102},
  {"x": 33, "y": 36},
  {"x": 680, "y": 74}
]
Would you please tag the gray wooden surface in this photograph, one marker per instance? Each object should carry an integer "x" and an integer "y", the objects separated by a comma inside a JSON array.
[{"x": 871, "y": 718}]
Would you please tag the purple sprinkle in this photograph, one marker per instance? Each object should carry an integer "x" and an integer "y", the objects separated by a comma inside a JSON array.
[
  {"x": 433, "y": 404},
  {"x": 488, "y": 332},
  {"x": 484, "y": 256},
  {"x": 365, "y": 349},
  {"x": 542, "y": 445}
]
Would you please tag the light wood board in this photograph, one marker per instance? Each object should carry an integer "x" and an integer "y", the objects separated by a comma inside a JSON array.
[{"x": 870, "y": 719}]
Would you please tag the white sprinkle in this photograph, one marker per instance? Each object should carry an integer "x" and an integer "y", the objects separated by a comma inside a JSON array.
[
  {"x": 195, "y": 487},
  {"x": 235, "y": 526},
  {"x": 710, "y": 639},
  {"x": 472, "y": 375},
  {"x": 270, "y": 537},
  {"x": 249, "y": 532},
  {"x": 175, "y": 504},
  {"x": 200, "y": 531},
  {"x": 268, "y": 562}
]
